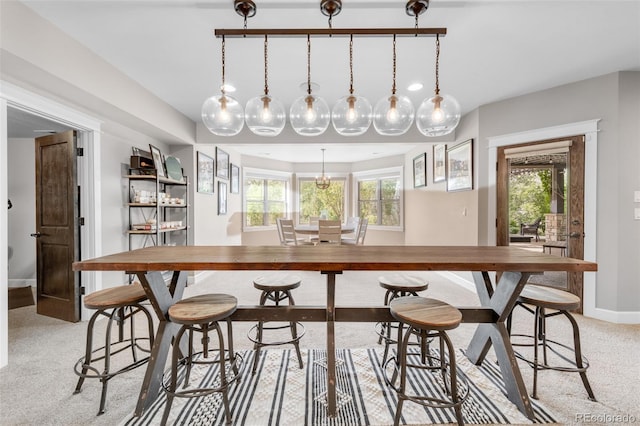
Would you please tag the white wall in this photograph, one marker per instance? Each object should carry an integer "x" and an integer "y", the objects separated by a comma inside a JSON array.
[{"x": 21, "y": 217}]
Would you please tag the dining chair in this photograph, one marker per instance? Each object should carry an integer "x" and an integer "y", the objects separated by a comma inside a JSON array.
[
  {"x": 280, "y": 235},
  {"x": 313, "y": 220},
  {"x": 288, "y": 234},
  {"x": 361, "y": 232},
  {"x": 329, "y": 232}
]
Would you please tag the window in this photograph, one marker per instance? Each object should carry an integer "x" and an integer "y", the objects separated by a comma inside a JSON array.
[
  {"x": 379, "y": 197},
  {"x": 266, "y": 197},
  {"x": 313, "y": 201}
]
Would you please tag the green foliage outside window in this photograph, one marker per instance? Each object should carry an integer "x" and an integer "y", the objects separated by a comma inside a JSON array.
[
  {"x": 265, "y": 201},
  {"x": 379, "y": 201},
  {"x": 529, "y": 197},
  {"x": 313, "y": 200}
]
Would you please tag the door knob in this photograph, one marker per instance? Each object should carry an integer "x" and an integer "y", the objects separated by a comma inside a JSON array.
[
  {"x": 36, "y": 235},
  {"x": 576, "y": 235}
]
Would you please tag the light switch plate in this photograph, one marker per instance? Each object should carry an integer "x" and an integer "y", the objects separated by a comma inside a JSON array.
[
  {"x": 636, "y": 196},
  {"x": 637, "y": 214}
]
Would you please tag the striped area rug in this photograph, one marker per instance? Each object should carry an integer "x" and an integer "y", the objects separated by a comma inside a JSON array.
[{"x": 282, "y": 394}]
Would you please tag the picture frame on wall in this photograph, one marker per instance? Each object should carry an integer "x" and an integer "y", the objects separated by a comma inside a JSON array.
[
  {"x": 235, "y": 179},
  {"x": 439, "y": 163},
  {"x": 222, "y": 198},
  {"x": 158, "y": 163},
  {"x": 420, "y": 170},
  {"x": 205, "y": 173},
  {"x": 460, "y": 167},
  {"x": 222, "y": 164}
]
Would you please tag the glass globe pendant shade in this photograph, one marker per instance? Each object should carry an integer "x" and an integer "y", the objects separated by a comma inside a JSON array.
[
  {"x": 393, "y": 115},
  {"x": 438, "y": 116},
  {"x": 222, "y": 115},
  {"x": 265, "y": 116},
  {"x": 309, "y": 115},
  {"x": 351, "y": 115}
]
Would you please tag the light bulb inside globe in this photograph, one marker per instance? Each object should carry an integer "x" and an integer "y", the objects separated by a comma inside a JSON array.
[
  {"x": 437, "y": 115},
  {"x": 224, "y": 114},
  {"x": 265, "y": 114},
  {"x": 351, "y": 112},
  {"x": 310, "y": 115},
  {"x": 392, "y": 114}
]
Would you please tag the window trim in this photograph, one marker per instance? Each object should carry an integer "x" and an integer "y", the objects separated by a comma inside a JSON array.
[
  {"x": 250, "y": 172},
  {"x": 379, "y": 174}
]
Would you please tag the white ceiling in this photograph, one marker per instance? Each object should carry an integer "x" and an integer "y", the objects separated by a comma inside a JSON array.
[{"x": 493, "y": 50}]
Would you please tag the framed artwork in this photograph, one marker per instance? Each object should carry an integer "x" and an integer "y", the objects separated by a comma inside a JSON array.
[
  {"x": 439, "y": 165},
  {"x": 235, "y": 179},
  {"x": 222, "y": 197},
  {"x": 420, "y": 170},
  {"x": 460, "y": 167},
  {"x": 205, "y": 173},
  {"x": 157, "y": 160},
  {"x": 222, "y": 164}
]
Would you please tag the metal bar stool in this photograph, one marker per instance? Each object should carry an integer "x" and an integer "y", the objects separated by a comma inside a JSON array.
[
  {"x": 432, "y": 317},
  {"x": 202, "y": 314},
  {"x": 398, "y": 285},
  {"x": 117, "y": 304},
  {"x": 560, "y": 302},
  {"x": 276, "y": 288}
]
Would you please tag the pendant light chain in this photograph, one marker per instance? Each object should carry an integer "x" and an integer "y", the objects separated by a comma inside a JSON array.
[
  {"x": 393, "y": 89},
  {"x": 308, "y": 64},
  {"x": 266, "y": 72},
  {"x": 351, "y": 65},
  {"x": 437, "y": 65},
  {"x": 223, "y": 54}
]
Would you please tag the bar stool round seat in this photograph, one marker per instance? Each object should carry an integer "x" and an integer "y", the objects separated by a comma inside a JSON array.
[
  {"x": 429, "y": 318},
  {"x": 276, "y": 288},
  {"x": 558, "y": 302},
  {"x": 202, "y": 314},
  {"x": 118, "y": 304},
  {"x": 398, "y": 285}
]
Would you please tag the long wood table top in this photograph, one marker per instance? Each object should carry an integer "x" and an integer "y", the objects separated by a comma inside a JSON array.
[{"x": 334, "y": 258}]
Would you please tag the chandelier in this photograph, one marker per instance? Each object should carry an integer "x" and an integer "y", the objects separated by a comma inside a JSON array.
[
  {"x": 323, "y": 181},
  {"x": 352, "y": 115}
]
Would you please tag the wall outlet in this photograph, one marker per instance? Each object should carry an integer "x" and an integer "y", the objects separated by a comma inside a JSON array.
[{"x": 636, "y": 196}]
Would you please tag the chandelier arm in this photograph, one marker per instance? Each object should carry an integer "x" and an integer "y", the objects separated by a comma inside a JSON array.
[
  {"x": 351, "y": 65},
  {"x": 393, "y": 88},
  {"x": 266, "y": 75},
  {"x": 223, "y": 55},
  {"x": 308, "y": 64},
  {"x": 338, "y": 32},
  {"x": 437, "y": 65}
]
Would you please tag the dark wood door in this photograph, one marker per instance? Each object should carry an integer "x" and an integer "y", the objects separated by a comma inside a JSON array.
[
  {"x": 574, "y": 232},
  {"x": 56, "y": 227}
]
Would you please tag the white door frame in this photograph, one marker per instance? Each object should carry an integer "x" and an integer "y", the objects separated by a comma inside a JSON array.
[
  {"x": 88, "y": 179},
  {"x": 590, "y": 130}
]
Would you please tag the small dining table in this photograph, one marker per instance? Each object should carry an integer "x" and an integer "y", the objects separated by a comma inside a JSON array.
[
  {"x": 314, "y": 229},
  {"x": 497, "y": 300}
]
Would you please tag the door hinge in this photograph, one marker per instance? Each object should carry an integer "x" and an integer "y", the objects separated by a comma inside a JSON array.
[
  {"x": 82, "y": 291},
  {"x": 81, "y": 221},
  {"x": 80, "y": 152}
]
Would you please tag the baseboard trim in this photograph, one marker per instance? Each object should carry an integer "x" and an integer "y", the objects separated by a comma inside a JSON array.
[
  {"x": 624, "y": 317},
  {"x": 21, "y": 282}
]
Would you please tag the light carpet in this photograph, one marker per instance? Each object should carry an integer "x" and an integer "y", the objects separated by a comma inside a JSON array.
[{"x": 280, "y": 393}]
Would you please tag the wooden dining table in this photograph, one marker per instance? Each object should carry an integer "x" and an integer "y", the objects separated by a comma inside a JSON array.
[
  {"x": 497, "y": 300},
  {"x": 315, "y": 229}
]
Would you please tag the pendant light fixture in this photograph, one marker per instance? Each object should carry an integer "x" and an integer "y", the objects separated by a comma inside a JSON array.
[
  {"x": 440, "y": 114},
  {"x": 351, "y": 115},
  {"x": 324, "y": 181},
  {"x": 222, "y": 114},
  {"x": 265, "y": 116},
  {"x": 310, "y": 114},
  {"x": 393, "y": 115}
]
